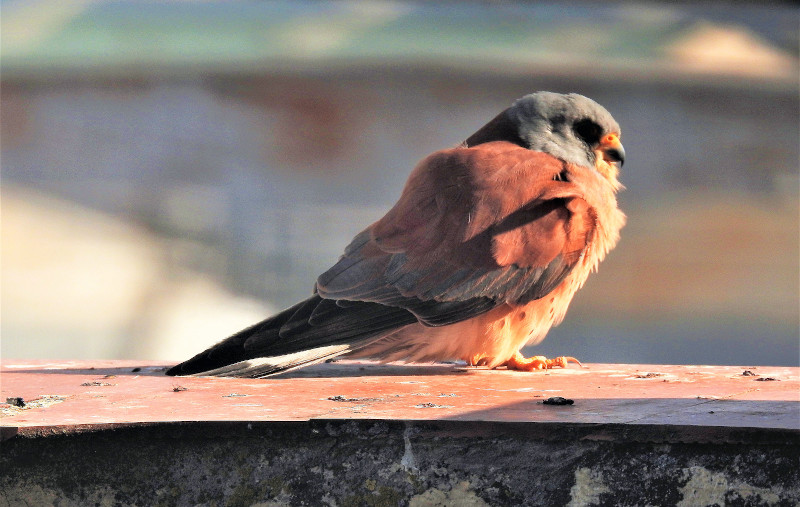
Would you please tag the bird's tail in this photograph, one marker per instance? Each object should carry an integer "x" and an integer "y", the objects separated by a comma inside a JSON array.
[{"x": 309, "y": 332}]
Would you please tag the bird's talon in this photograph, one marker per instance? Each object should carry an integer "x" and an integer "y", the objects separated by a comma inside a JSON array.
[
  {"x": 522, "y": 363},
  {"x": 563, "y": 361}
]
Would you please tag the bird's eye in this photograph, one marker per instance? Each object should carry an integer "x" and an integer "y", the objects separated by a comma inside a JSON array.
[{"x": 588, "y": 130}]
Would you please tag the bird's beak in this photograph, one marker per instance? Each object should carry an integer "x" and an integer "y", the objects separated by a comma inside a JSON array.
[{"x": 612, "y": 149}]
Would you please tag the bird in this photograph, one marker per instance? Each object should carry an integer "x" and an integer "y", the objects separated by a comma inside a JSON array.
[{"x": 481, "y": 254}]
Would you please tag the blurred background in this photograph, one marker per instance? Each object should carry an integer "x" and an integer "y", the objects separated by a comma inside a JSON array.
[{"x": 174, "y": 171}]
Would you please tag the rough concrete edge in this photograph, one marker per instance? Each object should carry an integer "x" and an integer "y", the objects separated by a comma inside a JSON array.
[{"x": 547, "y": 431}]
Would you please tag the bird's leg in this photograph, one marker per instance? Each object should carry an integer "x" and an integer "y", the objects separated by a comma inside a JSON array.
[
  {"x": 522, "y": 363},
  {"x": 477, "y": 360}
]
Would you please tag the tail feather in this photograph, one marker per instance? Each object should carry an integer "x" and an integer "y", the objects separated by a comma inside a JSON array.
[
  {"x": 309, "y": 332},
  {"x": 259, "y": 367}
]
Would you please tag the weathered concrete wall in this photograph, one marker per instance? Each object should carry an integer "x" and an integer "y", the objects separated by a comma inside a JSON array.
[{"x": 349, "y": 463}]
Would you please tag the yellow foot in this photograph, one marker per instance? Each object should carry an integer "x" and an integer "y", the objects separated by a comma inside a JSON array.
[{"x": 522, "y": 363}]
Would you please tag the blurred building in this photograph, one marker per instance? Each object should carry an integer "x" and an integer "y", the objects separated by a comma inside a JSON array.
[{"x": 174, "y": 171}]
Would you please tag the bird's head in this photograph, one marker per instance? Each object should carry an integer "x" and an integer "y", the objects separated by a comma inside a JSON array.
[{"x": 570, "y": 127}]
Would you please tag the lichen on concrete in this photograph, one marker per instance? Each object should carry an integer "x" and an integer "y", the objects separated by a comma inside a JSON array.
[
  {"x": 587, "y": 488},
  {"x": 705, "y": 487},
  {"x": 461, "y": 494}
]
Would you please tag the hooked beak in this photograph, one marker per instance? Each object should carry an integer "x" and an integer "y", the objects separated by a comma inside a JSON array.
[{"x": 612, "y": 149}]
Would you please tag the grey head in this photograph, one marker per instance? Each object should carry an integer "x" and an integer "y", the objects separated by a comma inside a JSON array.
[{"x": 566, "y": 126}]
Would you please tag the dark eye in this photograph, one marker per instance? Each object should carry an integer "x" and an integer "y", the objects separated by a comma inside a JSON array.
[{"x": 588, "y": 130}]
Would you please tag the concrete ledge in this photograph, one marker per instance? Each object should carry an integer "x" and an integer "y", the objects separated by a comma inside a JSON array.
[
  {"x": 362, "y": 462},
  {"x": 362, "y": 434}
]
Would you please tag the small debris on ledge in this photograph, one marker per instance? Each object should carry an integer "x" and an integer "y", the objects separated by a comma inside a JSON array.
[
  {"x": 558, "y": 400},
  {"x": 16, "y": 401},
  {"x": 649, "y": 375}
]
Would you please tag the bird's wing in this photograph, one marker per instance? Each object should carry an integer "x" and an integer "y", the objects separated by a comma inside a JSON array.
[{"x": 474, "y": 228}]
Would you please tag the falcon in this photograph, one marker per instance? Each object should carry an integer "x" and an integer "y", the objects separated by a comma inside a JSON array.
[{"x": 480, "y": 256}]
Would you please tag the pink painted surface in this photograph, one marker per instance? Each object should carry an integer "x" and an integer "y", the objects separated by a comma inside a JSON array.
[{"x": 63, "y": 394}]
